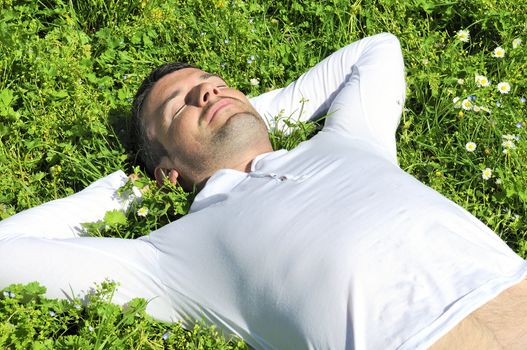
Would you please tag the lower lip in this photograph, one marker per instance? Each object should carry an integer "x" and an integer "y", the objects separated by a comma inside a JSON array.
[{"x": 223, "y": 104}]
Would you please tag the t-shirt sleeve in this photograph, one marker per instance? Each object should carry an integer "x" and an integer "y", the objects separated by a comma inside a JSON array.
[
  {"x": 370, "y": 103},
  {"x": 43, "y": 244},
  {"x": 361, "y": 87},
  {"x": 71, "y": 267},
  {"x": 309, "y": 96},
  {"x": 62, "y": 218}
]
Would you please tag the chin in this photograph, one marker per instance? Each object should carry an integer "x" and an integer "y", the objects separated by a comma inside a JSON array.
[
  {"x": 241, "y": 130},
  {"x": 244, "y": 122}
]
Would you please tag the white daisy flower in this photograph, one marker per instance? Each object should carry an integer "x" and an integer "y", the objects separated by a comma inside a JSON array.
[
  {"x": 516, "y": 42},
  {"x": 508, "y": 144},
  {"x": 470, "y": 146},
  {"x": 476, "y": 108},
  {"x": 486, "y": 173},
  {"x": 255, "y": 82},
  {"x": 504, "y": 87},
  {"x": 143, "y": 211},
  {"x": 466, "y": 104},
  {"x": 461, "y": 81},
  {"x": 499, "y": 52},
  {"x": 463, "y": 35},
  {"x": 482, "y": 81}
]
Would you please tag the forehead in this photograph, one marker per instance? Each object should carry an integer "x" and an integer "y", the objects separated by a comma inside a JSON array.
[{"x": 171, "y": 84}]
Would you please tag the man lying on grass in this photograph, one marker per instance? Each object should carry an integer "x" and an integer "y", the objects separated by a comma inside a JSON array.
[{"x": 327, "y": 246}]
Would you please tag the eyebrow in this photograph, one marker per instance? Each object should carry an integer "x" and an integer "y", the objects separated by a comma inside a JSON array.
[{"x": 206, "y": 76}]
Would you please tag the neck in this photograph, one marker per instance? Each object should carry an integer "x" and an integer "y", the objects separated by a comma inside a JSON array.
[
  {"x": 243, "y": 164},
  {"x": 244, "y": 161}
]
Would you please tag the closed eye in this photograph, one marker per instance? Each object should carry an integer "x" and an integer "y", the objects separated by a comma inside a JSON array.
[
  {"x": 182, "y": 107},
  {"x": 179, "y": 110}
]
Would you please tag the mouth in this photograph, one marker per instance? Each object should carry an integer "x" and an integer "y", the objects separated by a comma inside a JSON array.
[{"x": 213, "y": 110}]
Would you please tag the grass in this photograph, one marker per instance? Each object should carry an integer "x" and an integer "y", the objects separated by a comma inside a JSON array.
[{"x": 70, "y": 68}]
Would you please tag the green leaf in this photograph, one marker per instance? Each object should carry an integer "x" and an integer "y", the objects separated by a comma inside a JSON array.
[
  {"x": 6, "y": 98},
  {"x": 115, "y": 217}
]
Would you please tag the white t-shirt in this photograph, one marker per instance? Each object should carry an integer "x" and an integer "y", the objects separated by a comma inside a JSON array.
[{"x": 327, "y": 246}]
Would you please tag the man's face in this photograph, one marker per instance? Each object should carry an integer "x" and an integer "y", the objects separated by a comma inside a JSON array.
[{"x": 203, "y": 124}]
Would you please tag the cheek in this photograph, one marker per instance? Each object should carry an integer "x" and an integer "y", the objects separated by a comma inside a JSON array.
[
  {"x": 184, "y": 135},
  {"x": 240, "y": 96}
]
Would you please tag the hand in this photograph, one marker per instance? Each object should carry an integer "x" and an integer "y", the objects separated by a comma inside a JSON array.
[
  {"x": 134, "y": 177},
  {"x": 161, "y": 174}
]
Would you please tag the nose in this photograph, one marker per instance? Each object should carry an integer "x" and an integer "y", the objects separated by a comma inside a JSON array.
[{"x": 206, "y": 92}]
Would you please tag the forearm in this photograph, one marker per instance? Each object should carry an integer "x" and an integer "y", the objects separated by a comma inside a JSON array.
[{"x": 62, "y": 218}]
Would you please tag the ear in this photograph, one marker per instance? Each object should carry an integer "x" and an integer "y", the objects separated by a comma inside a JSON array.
[{"x": 161, "y": 173}]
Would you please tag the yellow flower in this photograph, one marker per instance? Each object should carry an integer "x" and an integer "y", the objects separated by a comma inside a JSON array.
[
  {"x": 219, "y": 3},
  {"x": 55, "y": 170}
]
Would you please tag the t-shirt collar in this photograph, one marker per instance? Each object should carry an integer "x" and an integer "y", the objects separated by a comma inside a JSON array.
[{"x": 224, "y": 180}]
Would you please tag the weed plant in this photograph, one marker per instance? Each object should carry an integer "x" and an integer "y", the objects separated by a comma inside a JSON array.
[{"x": 69, "y": 69}]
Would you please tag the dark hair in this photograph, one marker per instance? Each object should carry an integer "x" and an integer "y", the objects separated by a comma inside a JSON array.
[{"x": 149, "y": 151}]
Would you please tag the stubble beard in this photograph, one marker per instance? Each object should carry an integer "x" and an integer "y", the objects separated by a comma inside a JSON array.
[
  {"x": 240, "y": 133},
  {"x": 226, "y": 147}
]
